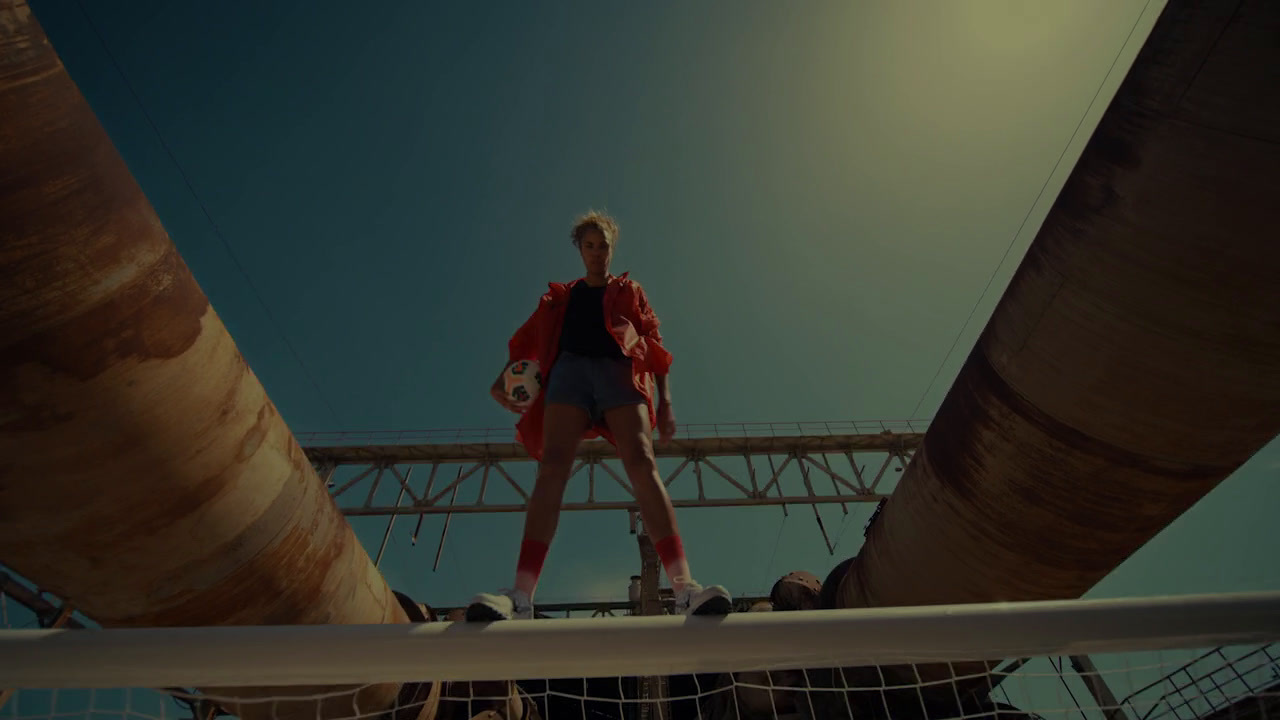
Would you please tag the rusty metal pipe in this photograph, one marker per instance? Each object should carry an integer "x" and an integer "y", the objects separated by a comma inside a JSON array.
[
  {"x": 1133, "y": 362},
  {"x": 144, "y": 474}
]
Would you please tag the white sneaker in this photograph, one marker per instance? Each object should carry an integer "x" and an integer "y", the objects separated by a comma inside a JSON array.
[
  {"x": 697, "y": 600},
  {"x": 502, "y": 605}
]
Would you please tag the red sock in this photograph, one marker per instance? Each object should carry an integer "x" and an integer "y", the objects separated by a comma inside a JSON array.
[
  {"x": 671, "y": 552},
  {"x": 532, "y": 554}
]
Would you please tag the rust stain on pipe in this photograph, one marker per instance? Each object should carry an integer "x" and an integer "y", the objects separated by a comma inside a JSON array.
[
  {"x": 1134, "y": 361},
  {"x": 145, "y": 476}
]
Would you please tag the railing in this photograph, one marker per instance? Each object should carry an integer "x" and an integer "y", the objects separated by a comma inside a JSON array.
[
  {"x": 297, "y": 655},
  {"x": 691, "y": 431}
]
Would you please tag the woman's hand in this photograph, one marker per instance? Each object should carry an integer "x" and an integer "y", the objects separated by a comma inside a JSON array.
[
  {"x": 500, "y": 395},
  {"x": 666, "y": 422}
]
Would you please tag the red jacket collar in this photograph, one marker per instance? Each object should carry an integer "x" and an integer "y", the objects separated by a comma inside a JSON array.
[{"x": 559, "y": 289}]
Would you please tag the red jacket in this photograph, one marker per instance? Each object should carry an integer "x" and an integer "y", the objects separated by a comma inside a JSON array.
[{"x": 631, "y": 322}]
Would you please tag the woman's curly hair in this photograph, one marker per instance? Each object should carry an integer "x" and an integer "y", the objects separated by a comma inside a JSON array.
[{"x": 597, "y": 221}]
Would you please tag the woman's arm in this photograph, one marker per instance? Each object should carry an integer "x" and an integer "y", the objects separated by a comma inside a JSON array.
[
  {"x": 657, "y": 358},
  {"x": 664, "y": 388},
  {"x": 522, "y": 346},
  {"x": 666, "y": 414},
  {"x": 659, "y": 361}
]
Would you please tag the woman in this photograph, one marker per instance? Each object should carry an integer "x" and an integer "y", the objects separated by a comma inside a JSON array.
[{"x": 597, "y": 342}]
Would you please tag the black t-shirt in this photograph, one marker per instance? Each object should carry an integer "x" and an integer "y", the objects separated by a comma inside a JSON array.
[{"x": 584, "y": 331}]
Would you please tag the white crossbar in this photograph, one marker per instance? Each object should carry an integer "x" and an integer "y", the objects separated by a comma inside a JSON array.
[{"x": 344, "y": 654}]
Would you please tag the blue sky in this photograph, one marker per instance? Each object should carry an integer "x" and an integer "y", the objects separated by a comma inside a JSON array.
[{"x": 816, "y": 202}]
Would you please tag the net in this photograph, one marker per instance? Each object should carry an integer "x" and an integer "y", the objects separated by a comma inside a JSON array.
[{"x": 1165, "y": 659}]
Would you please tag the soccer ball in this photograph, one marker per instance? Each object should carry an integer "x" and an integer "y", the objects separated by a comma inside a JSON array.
[{"x": 522, "y": 382}]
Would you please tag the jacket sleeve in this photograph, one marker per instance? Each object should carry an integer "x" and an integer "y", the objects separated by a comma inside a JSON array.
[
  {"x": 524, "y": 344},
  {"x": 657, "y": 358}
]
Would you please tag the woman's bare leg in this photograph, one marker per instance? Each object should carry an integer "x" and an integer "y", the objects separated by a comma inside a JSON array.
[
  {"x": 563, "y": 427},
  {"x": 634, "y": 437}
]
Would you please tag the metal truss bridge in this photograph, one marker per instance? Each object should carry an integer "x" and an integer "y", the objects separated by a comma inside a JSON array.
[{"x": 447, "y": 472}]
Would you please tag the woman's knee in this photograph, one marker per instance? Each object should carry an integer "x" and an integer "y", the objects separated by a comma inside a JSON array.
[
  {"x": 636, "y": 454},
  {"x": 556, "y": 463}
]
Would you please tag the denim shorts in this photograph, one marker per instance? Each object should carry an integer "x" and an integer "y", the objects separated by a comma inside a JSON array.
[{"x": 595, "y": 384}]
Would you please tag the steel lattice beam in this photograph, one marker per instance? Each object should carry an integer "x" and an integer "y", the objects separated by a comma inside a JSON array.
[{"x": 704, "y": 477}]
